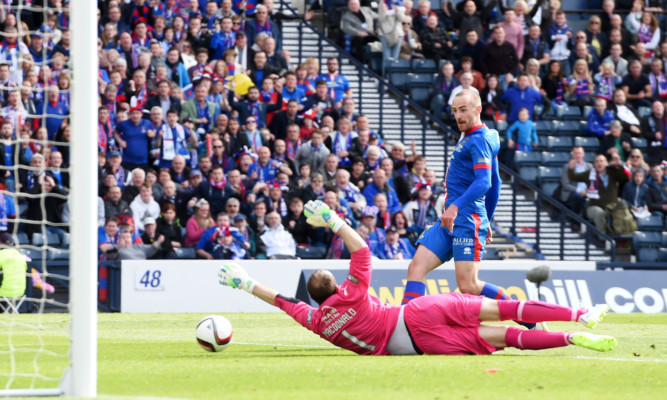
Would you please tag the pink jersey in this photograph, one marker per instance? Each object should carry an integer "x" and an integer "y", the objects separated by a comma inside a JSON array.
[{"x": 351, "y": 318}]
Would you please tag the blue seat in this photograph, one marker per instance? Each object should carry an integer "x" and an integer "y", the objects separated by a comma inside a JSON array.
[
  {"x": 489, "y": 123},
  {"x": 34, "y": 254},
  {"x": 587, "y": 111},
  {"x": 22, "y": 238},
  {"x": 526, "y": 164},
  {"x": 642, "y": 240},
  {"x": 544, "y": 128},
  {"x": 525, "y": 159},
  {"x": 185, "y": 253},
  {"x": 648, "y": 254},
  {"x": 424, "y": 66},
  {"x": 555, "y": 159},
  {"x": 590, "y": 157},
  {"x": 420, "y": 80},
  {"x": 590, "y": 144},
  {"x": 639, "y": 143},
  {"x": 421, "y": 95},
  {"x": 569, "y": 113},
  {"x": 567, "y": 128},
  {"x": 548, "y": 179},
  {"x": 399, "y": 79},
  {"x": 662, "y": 254},
  {"x": 653, "y": 223},
  {"x": 501, "y": 126},
  {"x": 58, "y": 255},
  {"x": 559, "y": 143}
]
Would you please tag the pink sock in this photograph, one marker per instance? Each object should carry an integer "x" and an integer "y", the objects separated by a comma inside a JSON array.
[
  {"x": 535, "y": 311},
  {"x": 535, "y": 340}
]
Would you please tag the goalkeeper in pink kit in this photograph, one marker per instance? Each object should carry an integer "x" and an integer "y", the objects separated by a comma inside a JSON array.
[{"x": 448, "y": 323}]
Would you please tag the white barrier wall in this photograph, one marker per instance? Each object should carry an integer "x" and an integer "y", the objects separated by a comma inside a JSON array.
[{"x": 192, "y": 285}]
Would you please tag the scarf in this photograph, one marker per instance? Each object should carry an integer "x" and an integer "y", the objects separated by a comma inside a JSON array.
[
  {"x": 120, "y": 176},
  {"x": 582, "y": 89},
  {"x": 644, "y": 34},
  {"x": 422, "y": 211},
  {"x": 386, "y": 220},
  {"x": 172, "y": 142},
  {"x": 280, "y": 207},
  {"x": 293, "y": 149},
  {"x": 559, "y": 92},
  {"x": 265, "y": 27},
  {"x": 605, "y": 89},
  {"x": 395, "y": 252},
  {"x": 338, "y": 145},
  {"x": 659, "y": 84},
  {"x": 218, "y": 185},
  {"x": 594, "y": 184},
  {"x": 104, "y": 136},
  {"x": 350, "y": 192}
]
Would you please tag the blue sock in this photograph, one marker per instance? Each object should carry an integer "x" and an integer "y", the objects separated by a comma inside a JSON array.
[
  {"x": 413, "y": 290},
  {"x": 494, "y": 292}
]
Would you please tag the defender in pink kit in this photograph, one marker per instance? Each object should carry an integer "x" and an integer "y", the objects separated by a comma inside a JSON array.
[{"x": 449, "y": 323}]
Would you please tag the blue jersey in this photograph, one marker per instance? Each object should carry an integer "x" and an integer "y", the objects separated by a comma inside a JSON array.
[
  {"x": 137, "y": 140},
  {"x": 473, "y": 182},
  {"x": 473, "y": 185},
  {"x": 337, "y": 84}
]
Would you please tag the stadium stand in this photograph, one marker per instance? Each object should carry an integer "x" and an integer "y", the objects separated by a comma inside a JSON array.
[{"x": 213, "y": 128}]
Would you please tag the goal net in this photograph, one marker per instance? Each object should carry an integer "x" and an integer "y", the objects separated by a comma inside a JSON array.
[{"x": 48, "y": 200}]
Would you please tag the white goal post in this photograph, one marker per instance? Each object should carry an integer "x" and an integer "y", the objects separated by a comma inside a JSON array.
[
  {"x": 80, "y": 377},
  {"x": 83, "y": 201}
]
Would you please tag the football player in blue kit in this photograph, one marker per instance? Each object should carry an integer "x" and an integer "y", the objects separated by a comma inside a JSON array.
[{"x": 473, "y": 189}]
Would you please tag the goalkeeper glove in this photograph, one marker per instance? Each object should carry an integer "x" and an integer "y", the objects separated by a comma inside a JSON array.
[
  {"x": 234, "y": 276},
  {"x": 319, "y": 214}
]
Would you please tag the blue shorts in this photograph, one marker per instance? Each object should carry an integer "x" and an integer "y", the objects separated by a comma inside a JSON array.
[{"x": 466, "y": 244}]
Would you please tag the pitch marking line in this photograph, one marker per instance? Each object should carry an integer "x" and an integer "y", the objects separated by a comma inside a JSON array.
[{"x": 526, "y": 355}]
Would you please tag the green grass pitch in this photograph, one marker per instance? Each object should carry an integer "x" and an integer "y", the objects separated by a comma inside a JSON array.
[{"x": 271, "y": 357}]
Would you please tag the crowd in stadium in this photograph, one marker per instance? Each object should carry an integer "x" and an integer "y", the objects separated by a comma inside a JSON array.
[{"x": 210, "y": 137}]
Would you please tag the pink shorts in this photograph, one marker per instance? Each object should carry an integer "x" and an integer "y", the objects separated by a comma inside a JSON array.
[{"x": 447, "y": 324}]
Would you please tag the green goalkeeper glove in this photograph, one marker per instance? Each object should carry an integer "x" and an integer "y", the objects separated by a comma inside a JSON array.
[
  {"x": 234, "y": 276},
  {"x": 319, "y": 214}
]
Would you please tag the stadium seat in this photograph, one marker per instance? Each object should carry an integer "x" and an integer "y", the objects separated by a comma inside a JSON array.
[
  {"x": 648, "y": 254},
  {"x": 22, "y": 238},
  {"x": 548, "y": 179},
  {"x": 424, "y": 66},
  {"x": 421, "y": 95},
  {"x": 589, "y": 157},
  {"x": 398, "y": 71},
  {"x": 644, "y": 112},
  {"x": 185, "y": 253},
  {"x": 374, "y": 59},
  {"x": 58, "y": 255},
  {"x": 662, "y": 254},
  {"x": 420, "y": 80},
  {"x": 587, "y": 112},
  {"x": 639, "y": 143},
  {"x": 646, "y": 245},
  {"x": 569, "y": 113},
  {"x": 590, "y": 144},
  {"x": 664, "y": 239},
  {"x": 567, "y": 128},
  {"x": 489, "y": 123},
  {"x": 653, "y": 223},
  {"x": 34, "y": 254},
  {"x": 526, "y": 164},
  {"x": 555, "y": 159},
  {"x": 557, "y": 143},
  {"x": 37, "y": 239},
  {"x": 544, "y": 128},
  {"x": 501, "y": 126}
]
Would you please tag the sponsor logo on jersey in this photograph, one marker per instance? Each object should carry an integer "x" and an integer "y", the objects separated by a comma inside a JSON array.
[
  {"x": 328, "y": 314},
  {"x": 339, "y": 323},
  {"x": 467, "y": 251}
]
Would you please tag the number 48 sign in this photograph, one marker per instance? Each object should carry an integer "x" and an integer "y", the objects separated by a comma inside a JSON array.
[{"x": 148, "y": 279}]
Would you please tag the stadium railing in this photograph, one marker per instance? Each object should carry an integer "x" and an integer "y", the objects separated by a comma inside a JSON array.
[{"x": 426, "y": 117}]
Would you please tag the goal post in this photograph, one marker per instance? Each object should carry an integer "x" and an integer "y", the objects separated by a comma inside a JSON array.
[
  {"x": 82, "y": 380},
  {"x": 79, "y": 377}
]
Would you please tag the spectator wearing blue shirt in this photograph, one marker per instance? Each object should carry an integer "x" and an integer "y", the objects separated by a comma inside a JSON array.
[
  {"x": 395, "y": 247},
  {"x": 291, "y": 91},
  {"x": 599, "y": 119},
  {"x": 521, "y": 96},
  {"x": 379, "y": 185},
  {"x": 264, "y": 169},
  {"x": 134, "y": 137},
  {"x": 526, "y": 133},
  {"x": 338, "y": 85},
  {"x": 56, "y": 112}
]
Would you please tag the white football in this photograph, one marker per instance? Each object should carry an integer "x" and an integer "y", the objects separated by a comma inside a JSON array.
[{"x": 214, "y": 333}]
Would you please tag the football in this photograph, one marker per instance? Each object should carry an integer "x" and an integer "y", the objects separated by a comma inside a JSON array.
[{"x": 214, "y": 333}]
